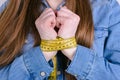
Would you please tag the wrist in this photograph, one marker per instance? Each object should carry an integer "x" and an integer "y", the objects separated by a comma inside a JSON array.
[
  {"x": 49, "y": 55},
  {"x": 70, "y": 52}
]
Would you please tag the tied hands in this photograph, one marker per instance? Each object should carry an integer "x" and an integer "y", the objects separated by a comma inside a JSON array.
[{"x": 65, "y": 20}]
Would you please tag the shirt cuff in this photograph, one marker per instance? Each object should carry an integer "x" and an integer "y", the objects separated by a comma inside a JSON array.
[
  {"x": 82, "y": 62},
  {"x": 36, "y": 63}
]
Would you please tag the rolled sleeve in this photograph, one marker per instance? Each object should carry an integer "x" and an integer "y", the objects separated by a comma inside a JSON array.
[
  {"x": 37, "y": 64},
  {"x": 82, "y": 62},
  {"x": 86, "y": 65}
]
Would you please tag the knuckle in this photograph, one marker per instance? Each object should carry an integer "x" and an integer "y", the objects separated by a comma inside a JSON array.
[
  {"x": 51, "y": 16},
  {"x": 51, "y": 13},
  {"x": 37, "y": 22},
  {"x": 77, "y": 17}
]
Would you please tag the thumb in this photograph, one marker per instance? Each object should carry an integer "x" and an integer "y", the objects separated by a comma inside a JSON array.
[
  {"x": 58, "y": 22},
  {"x": 53, "y": 23}
]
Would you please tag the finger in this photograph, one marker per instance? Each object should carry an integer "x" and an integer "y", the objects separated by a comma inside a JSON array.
[
  {"x": 47, "y": 12},
  {"x": 53, "y": 23},
  {"x": 50, "y": 20},
  {"x": 71, "y": 14},
  {"x": 65, "y": 9},
  {"x": 44, "y": 18},
  {"x": 63, "y": 14},
  {"x": 60, "y": 21}
]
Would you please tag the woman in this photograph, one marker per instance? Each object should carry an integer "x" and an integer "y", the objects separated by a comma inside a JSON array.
[{"x": 88, "y": 32}]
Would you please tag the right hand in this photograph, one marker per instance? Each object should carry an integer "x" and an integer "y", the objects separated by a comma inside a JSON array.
[{"x": 45, "y": 24}]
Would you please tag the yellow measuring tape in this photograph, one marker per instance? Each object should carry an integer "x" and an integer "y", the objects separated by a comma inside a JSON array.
[
  {"x": 53, "y": 75},
  {"x": 54, "y": 45},
  {"x": 58, "y": 44}
]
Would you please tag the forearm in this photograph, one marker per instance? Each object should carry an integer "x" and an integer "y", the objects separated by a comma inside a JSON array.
[{"x": 87, "y": 65}]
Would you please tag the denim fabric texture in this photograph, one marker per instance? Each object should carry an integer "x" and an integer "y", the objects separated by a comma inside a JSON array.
[{"x": 101, "y": 62}]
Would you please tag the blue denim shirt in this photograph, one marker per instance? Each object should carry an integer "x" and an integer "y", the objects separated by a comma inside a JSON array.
[{"x": 102, "y": 62}]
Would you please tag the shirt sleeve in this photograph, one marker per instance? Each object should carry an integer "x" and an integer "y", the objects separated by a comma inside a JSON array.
[
  {"x": 15, "y": 71},
  {"x": 36, "y": 64},
  {"x": 86, "y": 65},
  {"x": 29, "y": 66}
]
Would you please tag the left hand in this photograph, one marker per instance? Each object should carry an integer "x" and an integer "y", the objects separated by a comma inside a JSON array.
[{"x": 67, "y": 22}]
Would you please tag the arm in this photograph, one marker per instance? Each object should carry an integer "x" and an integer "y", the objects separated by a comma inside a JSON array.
[
  {"x": 87, "y": 65},
  {"x": 29, "y": 66}
]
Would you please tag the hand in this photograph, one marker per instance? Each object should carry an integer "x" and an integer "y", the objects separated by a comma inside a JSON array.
[
  {"x": 67, "y": 22},
  {"x": 45, "y": 24}
]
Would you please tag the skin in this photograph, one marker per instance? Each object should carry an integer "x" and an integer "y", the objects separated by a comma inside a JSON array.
[{"x": 46, "y": 22}]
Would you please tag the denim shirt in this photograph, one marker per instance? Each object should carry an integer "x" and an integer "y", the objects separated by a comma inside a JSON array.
[{"x": 101, "y": 62}]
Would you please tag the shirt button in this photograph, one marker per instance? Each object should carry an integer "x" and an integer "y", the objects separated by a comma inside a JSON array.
[
  {"x": 42, "y": 73},
  {"x": 26, "y": 41},
  {"x": 75, "y": 75},
  {"x": 58, "y": 72}
]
